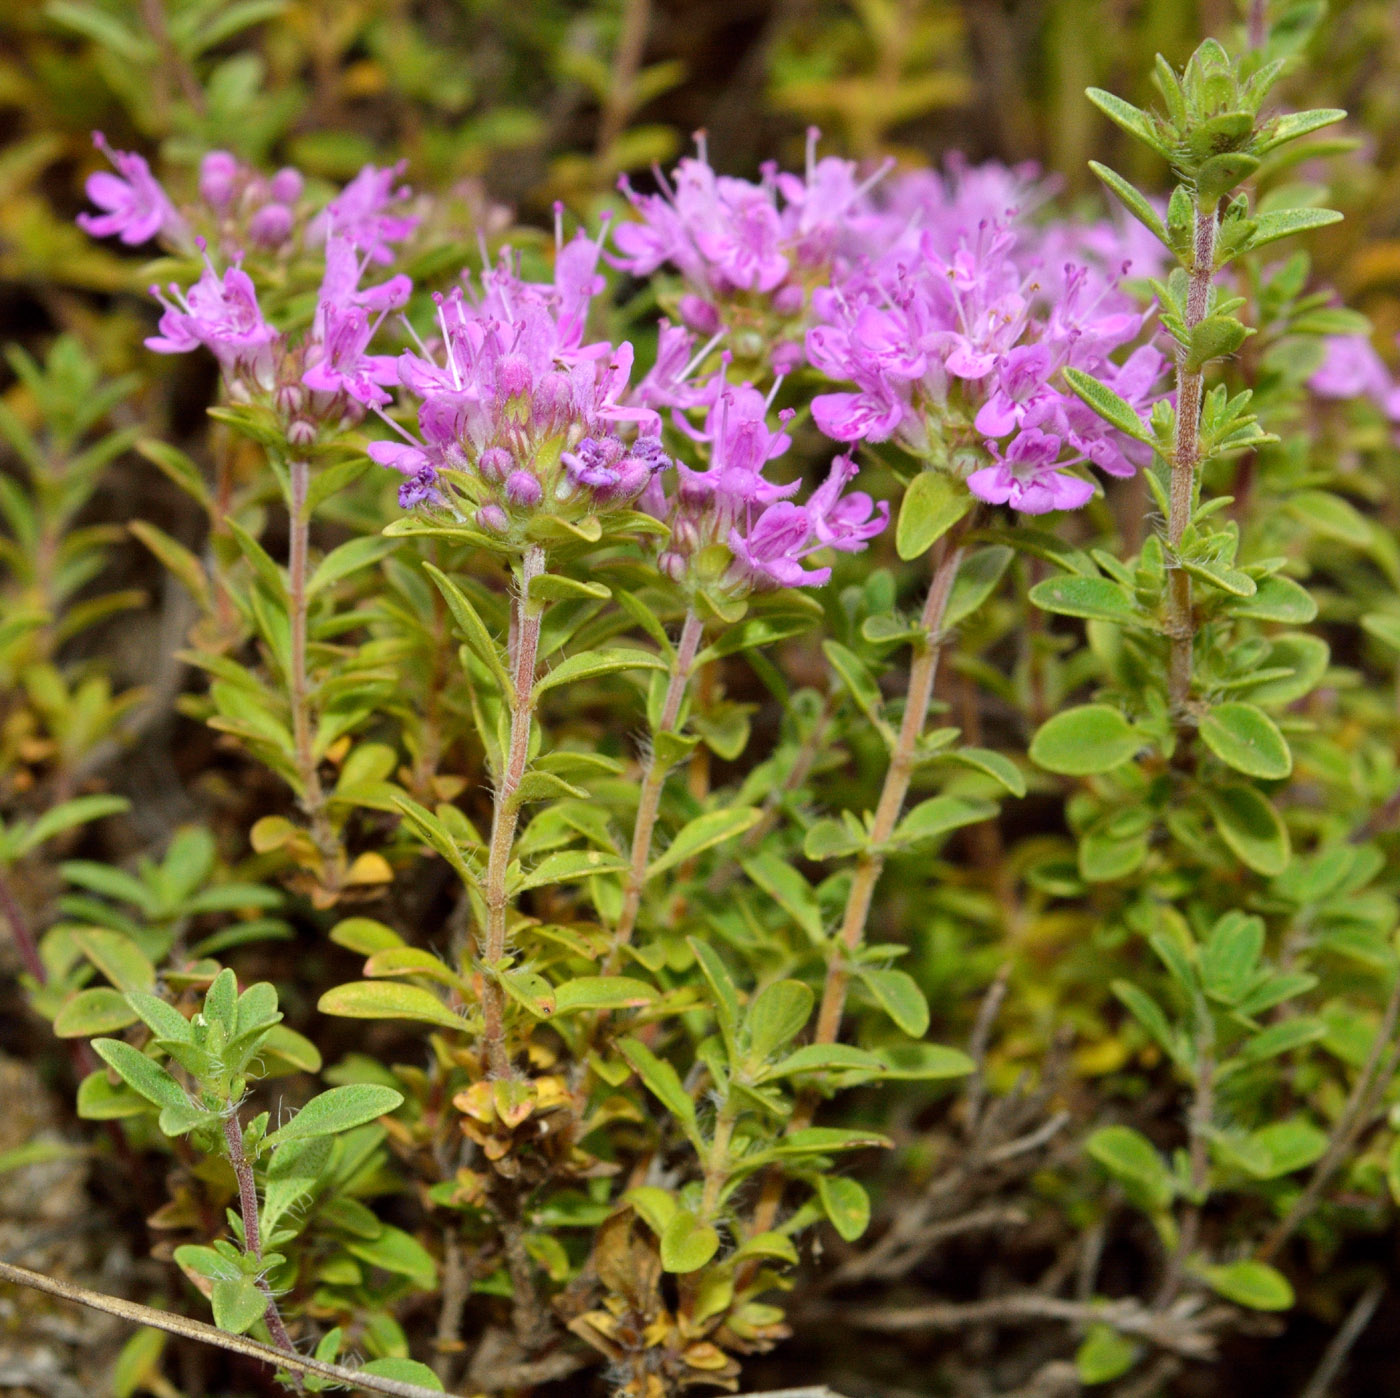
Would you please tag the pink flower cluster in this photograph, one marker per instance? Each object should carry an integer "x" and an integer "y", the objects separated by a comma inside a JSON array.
[
  {"x": 731, "y": 502},
  {"x": 514, "y": 409},
  {"x": 960, "y": 330},
  {"x": 1351, "y": 368},
  {"x": 326, "y": 374}
]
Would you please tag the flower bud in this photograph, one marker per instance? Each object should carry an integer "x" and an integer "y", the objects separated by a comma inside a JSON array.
[
  {"x": 287, "y": 185},
  {"x": 217, "y": 173},
  {"x": 494, "y": 464},
  {"x": 301, "y": 433},
  {"x": 494, "y": 518},
  {"x": 788, "y": 300},
  {"x": 271, "y": 225},
  {"x": 698, "y": 315},
  {"x": 553, "y": 399},
  {"x": 672, "y": 565},
  {"x": 523, "y": 490}
]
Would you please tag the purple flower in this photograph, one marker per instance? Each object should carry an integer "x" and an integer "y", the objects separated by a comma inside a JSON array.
[
  {"x": 222, "y": 314},
  {"x": 362, "y": 213},
  {"x": 1351, "y": 368},
  {"x": 218, "y": 176},
  {"x": 510, "y": 393},
  {"x": 951, "y": 326},
  {"x": 1026, "y": 477},
  {"x": 136, "y": 208}
]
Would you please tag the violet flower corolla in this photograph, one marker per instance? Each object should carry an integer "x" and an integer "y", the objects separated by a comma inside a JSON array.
[
  {"x": 135, "y": 207},
  {"x": 948, "y": 337},
  {"x": 765, "y": 535},
  {"x": 516, "y": 412},
  {"x": 750, "y": 253},
  {"x": 1351, "y": 368}
]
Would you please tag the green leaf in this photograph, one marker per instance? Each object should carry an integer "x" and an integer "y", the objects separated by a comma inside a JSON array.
[
  {"x": 898, "y": 994},
  {"x": 655, "y": 1206},
  {"x": 662, "y": 1080},
  {"x": 397, "y": 1252},
  {"x": 830, "y": 838},
  {"x": 339, "y": 1109},
  {"x": 1292, "y": 125},
  {"x": 1105, "y": 1355},
  {"x": 686, "y": 1243},
  {"x": 824, "y": 1140},
  {"x": 404, "y": 1370},
  {"x": 1278, "y": 599},
  {"x": 1251, "y": 827},
  {"x": 140, "y": 1074},
  {"x": 1081, "y": 742},
  {"x": 292, "y": 1175},
  {"x": 1133, "y": 200},
  {"x": 1287, "y": 1146},
  {"x": 1283, "y": 223},
  {"x": 1149, "y": 1014},
  {"x": 827, "y": 1058},
  {"x": 1095, "y": 599},
  {"x": 162, "y": 1019},
  {"x": 1252, "y": 1284},
  {"x": 1134, "y": 122},
  {"x": 978, "y": 576},
  {"x": 857, "y": 678},
  {"x": 932, "y": 505},
  {"x": 117, "y": 957},
  {"x": 1116, "y": 411},
  {"x": 1331, "y": 516},
  {"x": 788, "y": 889},
  {"x": 364, "y": 935},
  {"x": 100, "y": 1010},
  {"x": 554, "y": 587},
  {"x": 601, "y": 993},
  {"x": 470, "y": 626},
  {"x": 386, "y": 1000},
  {"x": 777, "y": 1016},
  {"x": 589, "y": 664},
  {"x": 936, "y": 817},
  {"x": 568, "y": 865},
  {"x": 81, "y": 810},
  {"x": 845, "y": 1203},
  {"x": 702, "y": 833},
  {"x": 1131, "y": 1158},
  {"x": 924, "y": 1062},
  {"x": 348, "y": 559},
  {"x": 996, "y": 765},
  {"x": 238, "y": 1304},
  {"x": 1230, "y": 956}
]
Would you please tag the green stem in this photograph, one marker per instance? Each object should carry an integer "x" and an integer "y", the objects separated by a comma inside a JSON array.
[
  {"x": 1185, "y": 464},
  {"x": 653, "y": 780},
  {"x": 505, "y": 814}
]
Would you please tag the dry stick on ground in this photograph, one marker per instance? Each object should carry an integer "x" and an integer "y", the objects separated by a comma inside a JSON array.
[
  {"x": 189, "y": 1329},
  {"x": 1185, "y": 1329},
  {"x": 1334, "y": 1356},
  {"x": 1360, "y": 1105}
]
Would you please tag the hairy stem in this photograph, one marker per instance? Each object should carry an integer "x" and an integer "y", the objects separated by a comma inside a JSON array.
[
  {"x": 525, "y": 633},
  {"x": 653, "y": 780},
  {"x": 252, "y": 1235},
  {"x": 922, "y": 674},
  {"x": 1186, "y": 462}
]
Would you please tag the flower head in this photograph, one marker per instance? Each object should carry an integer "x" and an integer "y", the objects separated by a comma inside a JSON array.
[{"x": 135, "y": 206}]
